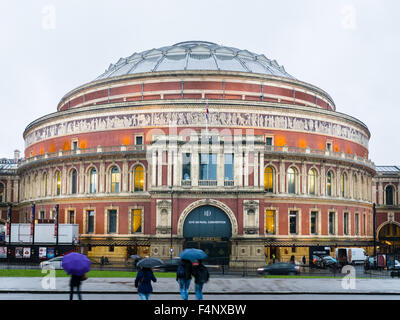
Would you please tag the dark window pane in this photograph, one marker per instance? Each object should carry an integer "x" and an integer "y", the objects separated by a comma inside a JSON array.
[{"x": 112, "y": 221}]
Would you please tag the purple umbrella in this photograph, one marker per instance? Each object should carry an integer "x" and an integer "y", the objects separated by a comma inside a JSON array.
[{"x": 76, "y": 264}]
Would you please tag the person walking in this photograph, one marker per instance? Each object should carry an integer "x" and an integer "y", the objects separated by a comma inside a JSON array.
[
  {"x": 184, "y": 276},
  {"x": 201, "y": 276},
  {"x": 143, "y": 283},
  {"x": 75, "y": 282}
]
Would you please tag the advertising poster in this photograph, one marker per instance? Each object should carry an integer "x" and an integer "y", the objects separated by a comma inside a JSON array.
[
  {"x": 19, "y": 252},
  {"x": 42, "y": 253},
  {"x": 3, "y": 252},
  {"x": 50, "y": 253},
  {"x": 27, "y": 253}
]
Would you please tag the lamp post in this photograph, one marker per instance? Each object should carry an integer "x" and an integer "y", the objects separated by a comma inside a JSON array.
[
  {"x": 374, "y": 224},
  {"x": 171, "y": 249}
]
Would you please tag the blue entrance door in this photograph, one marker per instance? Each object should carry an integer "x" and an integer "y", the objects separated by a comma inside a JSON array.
[{"x": 209, "y": 228}]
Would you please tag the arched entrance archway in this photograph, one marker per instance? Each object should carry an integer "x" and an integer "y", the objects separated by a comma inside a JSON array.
[
  {"x": 389, "y": 237},
  {"x": 208, "y": 227}
]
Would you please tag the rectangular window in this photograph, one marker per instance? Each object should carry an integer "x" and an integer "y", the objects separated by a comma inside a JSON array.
[
  {"x": 364, "y": 224},
  {"x": 269, "y": 222},
  {"x": 357, "y": 224},
  {"x": 186, "y": 162},
  {"x": 90, "y": 221},
  {"x": 329, "y": 146},
  {"x": 112, "y": 221},
  {"x": 75, "y": 145},
  {"x": 313, "y": 222},
  {"x": 71, "y": 214},
  {"x": 268, "y": 141},
  {"x": 138, "y": 140},
  {"x": 346, "y": 223},
  {"x": 208, "y": 166},
  {"x": 293, "y": 222},
  {"x": 136, "y": 220},
  {"x": 331, "y": 222},
  {"x": 42, "y": 215},
  {"x": 228, "y": 167}
]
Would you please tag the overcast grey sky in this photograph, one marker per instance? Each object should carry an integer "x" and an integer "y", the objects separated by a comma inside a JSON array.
[{"x": 348, "y": 48}]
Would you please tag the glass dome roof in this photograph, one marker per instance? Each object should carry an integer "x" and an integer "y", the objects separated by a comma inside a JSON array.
[{"x": 195, "y": 55}]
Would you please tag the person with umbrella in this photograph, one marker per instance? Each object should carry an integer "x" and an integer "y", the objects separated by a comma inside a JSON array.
[
  {"x": 77, "y": 265},
  {"x": 184, "y": 277},
  {"x": 184, "y": 272},
  {"x": 145, "y": 276},
  {"x": 201, "y": 276}
]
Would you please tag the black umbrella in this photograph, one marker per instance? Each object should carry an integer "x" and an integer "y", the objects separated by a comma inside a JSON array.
[
  {"x": 135, "y": 257},
  {"x": 149, "y": 263}
]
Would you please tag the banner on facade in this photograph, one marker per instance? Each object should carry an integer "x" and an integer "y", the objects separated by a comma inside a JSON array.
[
  {"x": 26, "y": 253},
  {"x": 42, "y": 253},
  {"x": 19, "y": 252},
  {"x": 3, "y": 252},
  {"x": 50, "y": 253}
]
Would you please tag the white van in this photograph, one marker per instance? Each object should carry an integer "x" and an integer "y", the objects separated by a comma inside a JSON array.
[{"x": 350, "y": 255}]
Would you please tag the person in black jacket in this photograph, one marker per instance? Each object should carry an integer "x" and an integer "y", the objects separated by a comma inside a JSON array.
[
  {"x": 201, "y": 276},
  {"x": 143, "y": 283},
  {"x": 75, "y": 282},
  {"x": 184, "y": 277}
]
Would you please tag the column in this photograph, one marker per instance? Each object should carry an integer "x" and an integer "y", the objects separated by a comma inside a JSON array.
[
  {"x": 220, "y": 168},
  {"x": 255, "y": 168},
  {"x": 153, "y": 168},
  {"x": 261, "y": 167},
  {"x": 125, "y": 176}
]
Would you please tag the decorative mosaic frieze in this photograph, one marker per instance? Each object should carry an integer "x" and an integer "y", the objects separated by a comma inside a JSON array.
[{"x": 191, "y": 119}]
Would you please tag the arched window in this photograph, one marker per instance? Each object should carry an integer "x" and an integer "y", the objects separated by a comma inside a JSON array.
[
  {"x": 28, "y": 188},
  {"x": 355, "y": 187},
  {"x": 269, "y": 179},
  {"x": 343, "y": 185},
  {"x": 139, "y": 179},
  {"x": 58, "y": 183},
  {"x": 291, "y": 177},
  {"x": 74, "y": 181},
  {"x": 45, "y": 184},
  {"x": 389, "y": 195},
  {"x": 312, "y": 181},
  {"x": 329, "y": 184},
  {"x": 115, "y": 179},
  {"x": 93, "y": 180},
  {"x": 2, "y": 189},
  {"x": 35, "y": 191}
]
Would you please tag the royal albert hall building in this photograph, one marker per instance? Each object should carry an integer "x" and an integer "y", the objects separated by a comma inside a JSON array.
[{"x": 200, "y": 145}]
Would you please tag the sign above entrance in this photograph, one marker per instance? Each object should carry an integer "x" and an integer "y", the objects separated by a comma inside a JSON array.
[{"x": 207, "y": 222}]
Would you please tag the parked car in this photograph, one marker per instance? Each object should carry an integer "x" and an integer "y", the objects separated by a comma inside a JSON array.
[
  {"x": 395, "y": 266},
  {"x": 55, "y": 262},
  {"x": 279, "y": 268},
  {"x": 168, "y": 265}
]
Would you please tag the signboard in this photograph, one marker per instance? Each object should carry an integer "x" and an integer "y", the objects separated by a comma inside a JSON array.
[
  {"x": 42, "y": 253},
  {"x": 3, "y": 252},
  {"x": 26, "y": 253},
  {"x": 207, "y": 222}
]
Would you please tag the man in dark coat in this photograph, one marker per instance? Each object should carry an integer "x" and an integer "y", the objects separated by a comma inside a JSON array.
[
  {"x": 184, "y": 277},
  {"x": 201, "y": 276},
  {"x": 75, "y": 282},
  {"x": 143, "y": 283}
]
